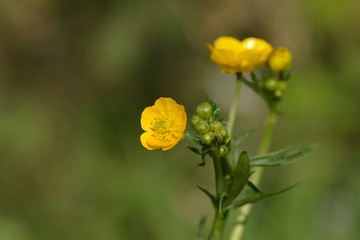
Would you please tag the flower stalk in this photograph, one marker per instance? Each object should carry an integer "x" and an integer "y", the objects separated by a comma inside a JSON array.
[{"x": 232, "y": 115}]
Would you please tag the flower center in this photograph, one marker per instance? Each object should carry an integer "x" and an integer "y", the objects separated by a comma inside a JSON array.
[
  {"x": 161, "y": 125},
  {"x": 164, "y": 129}
]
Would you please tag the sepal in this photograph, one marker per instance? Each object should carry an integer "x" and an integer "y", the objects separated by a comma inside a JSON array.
[{"x": 192, "y": 138}]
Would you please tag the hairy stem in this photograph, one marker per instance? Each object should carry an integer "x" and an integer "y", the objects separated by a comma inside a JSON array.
[{"x": 232, "y": 115}]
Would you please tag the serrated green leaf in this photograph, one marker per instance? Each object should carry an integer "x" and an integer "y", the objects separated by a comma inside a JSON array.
[
  {"x": 241, "y": 176},
  {"x": 211, "y": 100},
  {"x": 238, "y": 139},
  {"x": 201, "y": 229},
  {"x": 282, "y": 157},
  {"x": 256, "y": 197},
  {"x": 192, "y": 138},
  {"x": 212, "y": 197}
]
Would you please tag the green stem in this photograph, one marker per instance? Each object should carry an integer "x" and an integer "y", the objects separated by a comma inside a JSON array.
[
  {"x": 217, "y": 226},
  {"x": 232, "y": 114},
  {"x": 219, "y": 177},
  {"x": 243, "y": 213},
  {"x": 266, "y": 141},
  {"x": 219, "y": 180}
]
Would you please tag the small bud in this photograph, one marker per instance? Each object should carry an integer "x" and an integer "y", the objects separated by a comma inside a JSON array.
[
  {"x": 223, "y": 150},
  {"x": 202, "y": 127},
  {"x": 280, "y": 60},
  {"x": 194, "y": 120},
  {"x": 207, "y": 138},
  {"x": 281, "y": 85},
  {"x": 278, "y": 93},
  {"x": 223, "y": 132},
  {"x": 204, "y": 110},
  {"x": 270, "y": 84},
  {"x": 215, "y": 126}
]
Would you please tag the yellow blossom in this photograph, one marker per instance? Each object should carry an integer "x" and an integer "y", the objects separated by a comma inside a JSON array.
[
  {"x": 280, "y": 60},
  {"x": 164, "y": 124},
  {"x": 233, "y": 55}
]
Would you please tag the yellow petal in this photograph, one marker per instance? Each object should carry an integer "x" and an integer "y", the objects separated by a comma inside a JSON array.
[
  {"x": 154, "y": 142},
  {"x": 261, "y": 46},
  {"x": 228, "y": 43},
  {"x": 172, "y": 145},
  {"x": 247, "y": 61},
  {"x": 164, "y": 105},
  {"x": 144, "y": 141},
  {"x": 148, "y": 116},
  {"x": 225, "y": 58},
  {"x": 180, "y": 117}
]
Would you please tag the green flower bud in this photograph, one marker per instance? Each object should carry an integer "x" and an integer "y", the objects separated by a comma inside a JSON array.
[
  {"x": 204, "y": 110},
  {"x": 215, "y": 126},
  {"x": 207, "y": 138},
  {"x": 223, "y": 150},
  {"x": 281, "y": 85},
  {"x": 278, "y": 93},
  {"x": 223, "y": 132},
  {"x": 202, "y": 127},
  {"x": 194, "y": 120},
  {"x": 270, "y": 84}
]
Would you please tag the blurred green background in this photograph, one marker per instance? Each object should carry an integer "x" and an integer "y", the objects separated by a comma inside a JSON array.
[{"x": 76, "y": 75}]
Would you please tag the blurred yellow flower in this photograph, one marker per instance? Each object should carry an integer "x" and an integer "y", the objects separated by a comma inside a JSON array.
[
  {"x": 164, "y": 123},
  {"x": 235, "y": 56},
  {"x": 280, "y": 60}
]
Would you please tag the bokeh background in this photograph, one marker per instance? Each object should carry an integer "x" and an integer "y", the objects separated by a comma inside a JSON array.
[{"x": 76, "y": 75}]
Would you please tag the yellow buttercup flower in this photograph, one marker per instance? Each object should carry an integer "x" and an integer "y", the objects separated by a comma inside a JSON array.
[
  {"x": 164, "y": 123},
  {"x": 234, "y": 56},
  {"x": 280, "y": 60}
]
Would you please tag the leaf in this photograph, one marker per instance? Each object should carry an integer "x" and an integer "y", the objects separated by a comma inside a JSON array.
[
  {"x": 201, "y": 229},
  {"x": 197, "y": 151},
  {"x": 220, "y": 204},
  {"x": 277, "y": 154},
  {"x": 202, "y": 160},
  {"x": 192, "y": 138},
  {"x": 238, "y": 139},
  {"x": 241, "y": 176},
  {"x": 254, "y": 187},
  {"x": 193, "y": 149},
  {"x": 212, "y": 197},
  {"x": 281, "y": 157},
  {"x": 200, "y": 152},
  {"x": 215, "y": 114},
  {"x": 256, "y": 197},
  {"x": 211, "y": 100}
]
